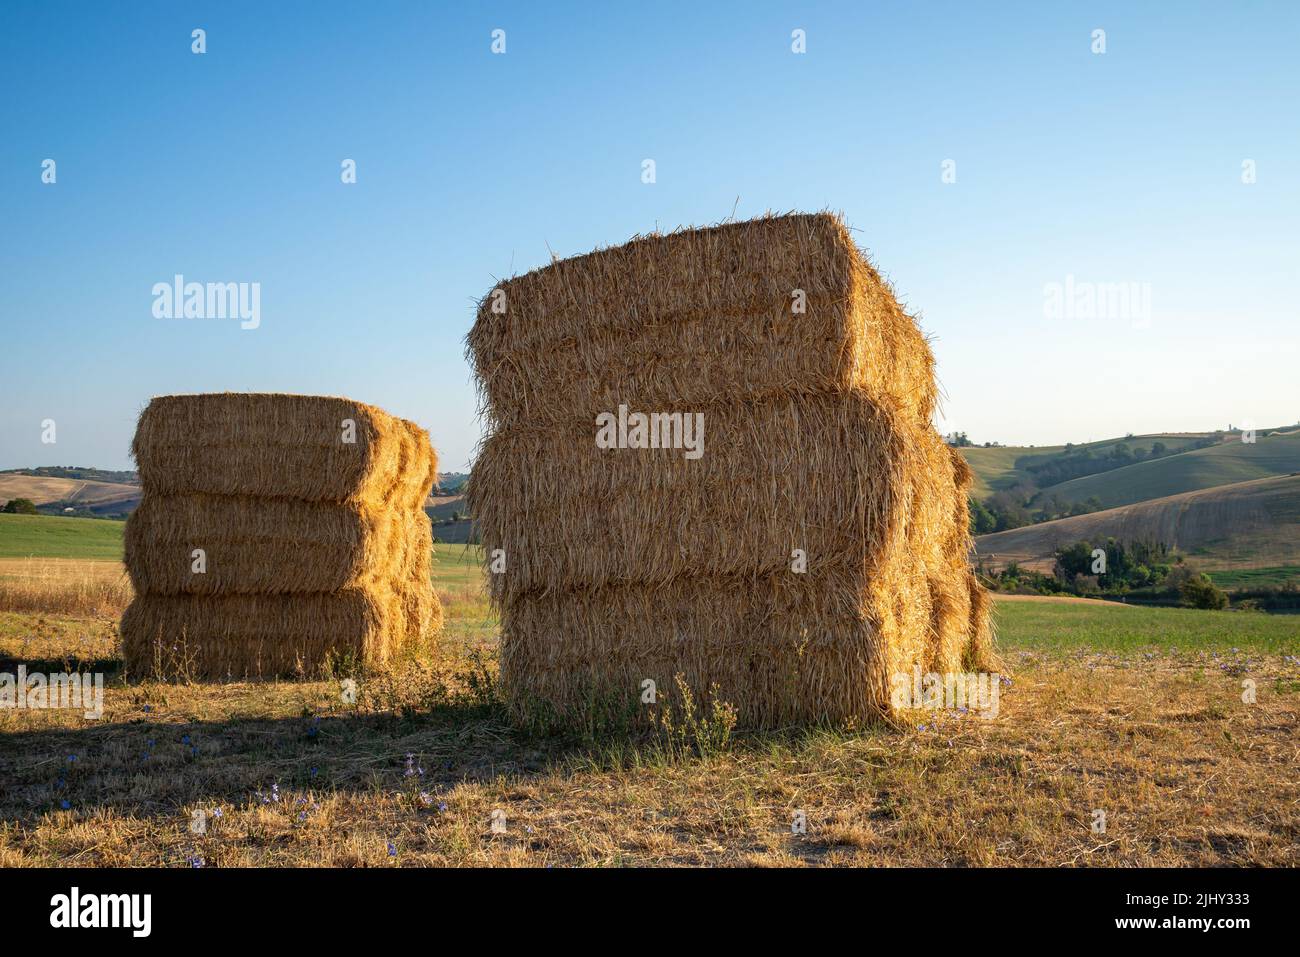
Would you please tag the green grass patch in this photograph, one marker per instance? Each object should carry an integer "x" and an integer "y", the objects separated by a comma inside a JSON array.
[
  {"x": 47, "y": 536},
  {"x": 1104, "y": 626},
  {"x": 457, "y": 566},
  {"x": 1244, "y": 579}
]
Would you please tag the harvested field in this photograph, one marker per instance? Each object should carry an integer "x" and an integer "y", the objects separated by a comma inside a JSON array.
[
  {"x": 64, "y": 586},
  {"x": 1239, "y": 526},
  {"x": 1118, "y": 719}
]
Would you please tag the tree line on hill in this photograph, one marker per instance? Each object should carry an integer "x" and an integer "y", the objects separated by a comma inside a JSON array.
[
  {"x": 1014, "y": 508},
  {"x": 1148, "y": 572},
  {"x": 25, "y": 506},
  {"x": 961, "y": 440},
  {"x": 1078, "y": 462},
  {"x": 81, "y": 473}
]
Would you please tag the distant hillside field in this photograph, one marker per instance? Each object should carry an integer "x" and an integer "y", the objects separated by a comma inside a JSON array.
[
  {"x": 1246, "y": 525},
  {"x": 81, "y": 473},
  {"x": 99, "y": 497},
  {"x": 441, "y": 509},
  {"x": 1001, "y": 468},
  {"x": 107, "y": 498},
  {"x": 48, "y": 536},
  {"x": 451, "y": 483},
  {"x": 1224, "y": 464}
]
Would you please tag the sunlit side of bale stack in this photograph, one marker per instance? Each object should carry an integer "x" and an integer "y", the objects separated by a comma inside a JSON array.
[
  {"x": 275, "y": 533},
  {"x": 813, "y": 548}
]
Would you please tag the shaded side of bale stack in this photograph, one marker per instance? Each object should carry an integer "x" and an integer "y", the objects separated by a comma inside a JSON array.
[
  {"x": 309, "y": 514},
  {"x": 623, "y": 564},
  {"x": 979, "y": 627}
]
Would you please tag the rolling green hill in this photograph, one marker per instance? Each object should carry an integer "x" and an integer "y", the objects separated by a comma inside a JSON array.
[
  {"x": 1246, "y": 525},
  {"x": 1001, "y": 468},
  {"x": 1231, "y": 461},
  {"x": 47, "y": 536}
]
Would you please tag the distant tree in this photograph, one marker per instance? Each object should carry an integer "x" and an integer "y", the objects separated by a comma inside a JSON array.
[
  {"x": 1200, "y": 592},
  {"x": 1086, "y": 585},
  {"x": 1158, "y": 449},
  {"x": 1178, "y": 576},
  {"x": 982, "y": 521},
  {"x": 1008, "y": 509},
  {"x": 20, "y": 506},
  {"x": 1073, "y": 561}
]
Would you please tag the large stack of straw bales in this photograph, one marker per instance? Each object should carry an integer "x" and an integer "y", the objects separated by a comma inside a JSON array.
[
  {"x": 815, "y": 549},
  {"x": 276, "y": 531}
]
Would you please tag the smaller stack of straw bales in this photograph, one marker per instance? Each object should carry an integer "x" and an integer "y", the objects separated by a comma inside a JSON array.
[
  {"x": 308, "y": 513},
  {"x": 816, "y": 391}
]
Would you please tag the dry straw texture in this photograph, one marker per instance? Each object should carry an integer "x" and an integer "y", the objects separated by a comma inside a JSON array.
[
  {"x": 313, "y": 546},
  {"x": 698, "y": 317},
  {"x": 281, "y": 446},
  {"x": 629, "y": 564},
  {"x": 265, "y": 545},
  {"x": 238, "y": 636},
  {"x": 827, "y": 474},
  {"x": 781, "y": 648}
]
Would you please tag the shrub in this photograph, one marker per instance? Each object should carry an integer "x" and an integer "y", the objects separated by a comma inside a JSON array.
[{"x": 1199, "y": 592}]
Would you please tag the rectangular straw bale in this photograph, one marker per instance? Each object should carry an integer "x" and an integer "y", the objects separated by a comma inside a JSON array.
[
  {"x": 626, "y": 564},
  {"x": 421, "y": 606},
  {"x": 981, "y": 653},
  {"x": 264, "y": 545},
  {"x": 940, "y": 546},
  {"x": 825, "y": 474},
  {"x": 313, "y": 545},
  {"x": 782, "y": 648},
  {"x": 969, "y": 606},
  {"x": 699, "y": 316},
  {"x": 282, "y": 446},
  {"x": 258, "y": 636}
]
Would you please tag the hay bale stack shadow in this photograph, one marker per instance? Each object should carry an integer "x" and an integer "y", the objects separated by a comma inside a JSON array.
[
  {"x": 811, "y": 548},
  {"x": 277, "y": 533}
]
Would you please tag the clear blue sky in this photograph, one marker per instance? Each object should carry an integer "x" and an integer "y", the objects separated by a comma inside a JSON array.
[{"x": 1122, "y": 167}]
